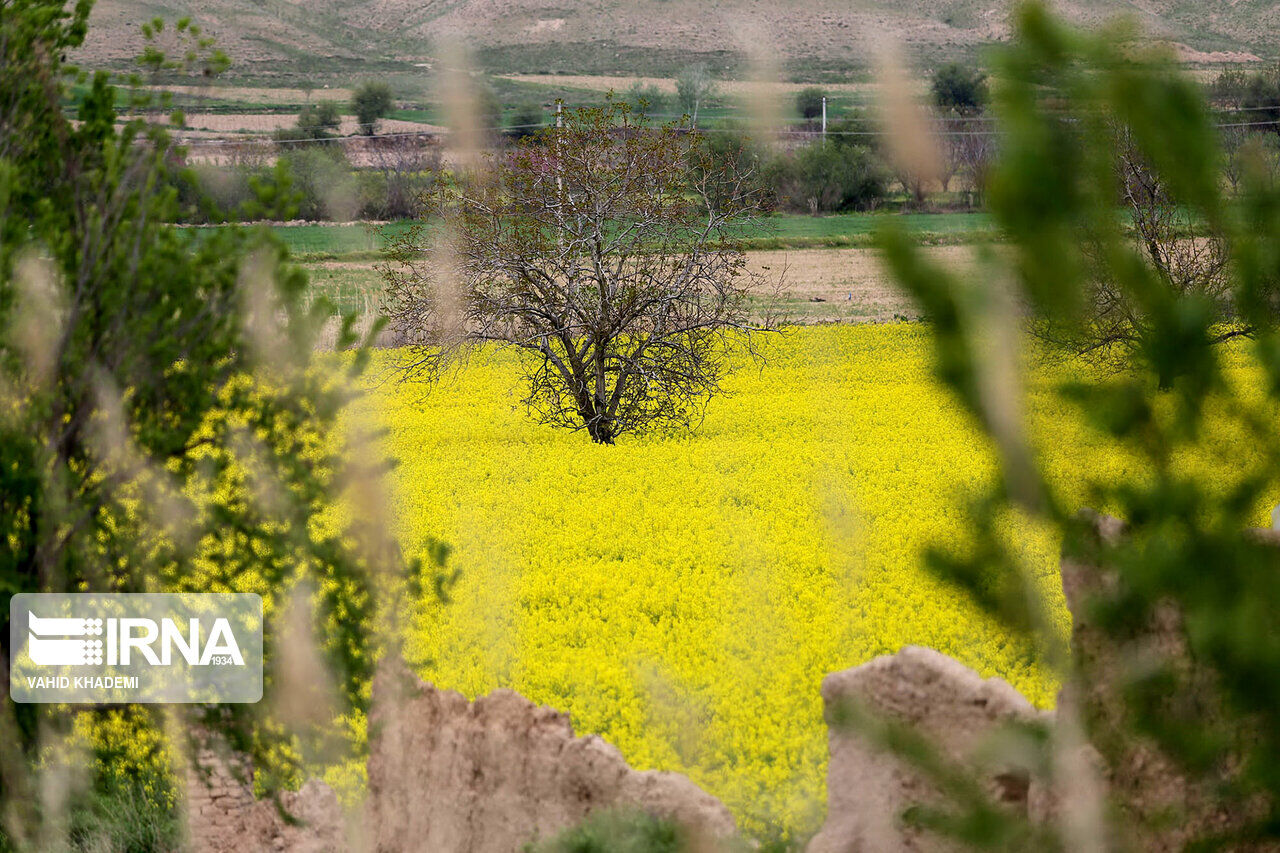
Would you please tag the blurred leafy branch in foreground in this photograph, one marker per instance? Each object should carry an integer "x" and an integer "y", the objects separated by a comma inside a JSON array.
[
  {"x": 165, "y": 425},
  {"x": 1069, "y": 107}
]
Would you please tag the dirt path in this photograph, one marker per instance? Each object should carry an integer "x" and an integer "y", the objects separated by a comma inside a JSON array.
[{"x": 819, "y": 285}]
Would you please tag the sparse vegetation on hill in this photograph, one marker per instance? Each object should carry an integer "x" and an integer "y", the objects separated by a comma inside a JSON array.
[{"x": 814, "y": 39}]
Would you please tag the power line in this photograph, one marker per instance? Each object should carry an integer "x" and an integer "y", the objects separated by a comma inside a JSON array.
[{"x": 426, "y": 134}]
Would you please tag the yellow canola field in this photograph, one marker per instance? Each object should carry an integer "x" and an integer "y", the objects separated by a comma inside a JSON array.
[{"x": 684, "y": 597}]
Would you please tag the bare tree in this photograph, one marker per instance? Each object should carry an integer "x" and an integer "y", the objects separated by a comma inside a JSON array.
[
  {"x": 599, "y": 254},
  {"x": 950, "y": 163},
  {"x": 973, "y": 146},
  {"x": 1184, "y": 256},
  {"x": 1247, "y": 150},
  {"x": 408, "y": 167},
  {"x": 1235, "y": 140},
  {"x": 913, "y": 184}
]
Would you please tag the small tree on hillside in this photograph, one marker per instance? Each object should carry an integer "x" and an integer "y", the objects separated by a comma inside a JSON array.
[
  {"x": 370, "y": 102},
  {"x": 809, "y": 102},
  {"x": 960, "y": 90},
  {"x": 591, "y": 251}
]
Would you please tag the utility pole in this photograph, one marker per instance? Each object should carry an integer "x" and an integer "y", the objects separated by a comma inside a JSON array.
[
  {"x": 824, "y": 118},
  {"x": 559, "y": 151},
  {"x": 560, "y": 178}
]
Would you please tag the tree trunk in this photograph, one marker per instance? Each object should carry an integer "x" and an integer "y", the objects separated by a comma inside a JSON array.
[{"x": 601, "y": 433}]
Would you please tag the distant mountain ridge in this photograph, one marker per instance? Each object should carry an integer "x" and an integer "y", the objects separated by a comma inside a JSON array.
[{"x": 810, "y": 38}]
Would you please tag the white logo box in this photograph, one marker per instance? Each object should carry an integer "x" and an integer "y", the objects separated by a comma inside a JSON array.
[{"x": 99, "y": 648}]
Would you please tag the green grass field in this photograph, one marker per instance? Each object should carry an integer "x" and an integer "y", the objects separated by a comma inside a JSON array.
[
  {"x": 793, "y": 228},
  {"x": 360, "y": 240}
]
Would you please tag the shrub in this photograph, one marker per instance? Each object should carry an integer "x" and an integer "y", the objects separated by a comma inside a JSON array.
[
  {"x": 123, "y": 818},
  {"x": 370, "y": 102},
  {"x": 959, "y": 89},
  {"x": 488, "y": 107},
  {"x": 616, "y": 831},
  {"x": 645, "y": 99},
  {"x": 827, "y": 177},
  {"x": 324, "y": 181},
  {"x": 140, "y": 362},
  {"x": 131, "y": 801},
  {"x": 528, "y": 118},
  {"x": 400, "y": 177},
  {"x": 809, "y": 102},
  {"x": 273, "y": 195},
  {"x": 320, "y": 120}
]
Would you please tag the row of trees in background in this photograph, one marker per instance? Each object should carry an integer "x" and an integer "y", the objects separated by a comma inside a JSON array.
[
  {"x": 318, "y": 182},
  {"x": 312, "y": 182},
  {"x": 844, "y": 169},
  {"x": 310, "y": 175}
]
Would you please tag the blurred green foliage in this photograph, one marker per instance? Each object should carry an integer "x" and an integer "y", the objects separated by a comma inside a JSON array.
[
  {"x": 162, "y": 424},
  {"x": 1066, "y": 103}
]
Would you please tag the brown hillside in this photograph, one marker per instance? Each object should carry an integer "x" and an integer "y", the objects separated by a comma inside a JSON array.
[{"x": 654, "y": 37}]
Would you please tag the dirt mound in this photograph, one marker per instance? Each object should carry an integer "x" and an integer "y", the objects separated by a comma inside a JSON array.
[
  {"x": 1145, "y": 784},
  {"x": 939, "y": 698},
  {"x": 446, "y": 774},
  {"x": 491, "y": 774}
]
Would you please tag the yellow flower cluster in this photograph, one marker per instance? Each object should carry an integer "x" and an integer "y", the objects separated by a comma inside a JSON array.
[
  {"x": 684, "y": 597},
  {"x": 128, "y": 749}
]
